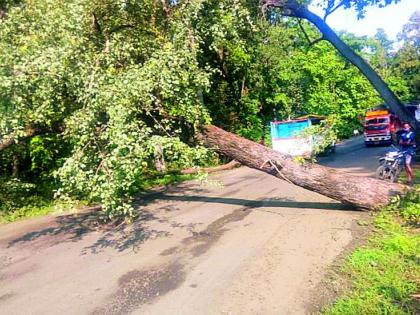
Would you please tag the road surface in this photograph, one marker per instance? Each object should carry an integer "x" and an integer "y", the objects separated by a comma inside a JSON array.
[
  {"x": 242, "y": 243},
  {"x": 352, "y": 156}
]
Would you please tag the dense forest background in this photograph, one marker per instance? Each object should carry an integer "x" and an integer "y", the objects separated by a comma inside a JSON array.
[{"x": 113, "y": 92}]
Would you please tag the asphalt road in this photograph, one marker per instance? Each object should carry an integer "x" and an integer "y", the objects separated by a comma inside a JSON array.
[
  {"x": 242, "y": 243},
  {"x": 352, "y": 156}
]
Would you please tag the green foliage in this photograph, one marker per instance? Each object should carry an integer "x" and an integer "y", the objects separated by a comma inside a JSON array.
[
  {"x": 384, "y": 273},
  {"x": 311, "y": 80},
  {"x": 323, "y": 135},
  {"x": 46, "y": 153},
  {"x": 22, "y": 199},
  {"x": 406, "y": 62},
  {"x": 409, "y": 207},
  {"x": 119, "y": 85},
  {"x": 278, "y": 72},
  {"x": 120, "y": 88}
]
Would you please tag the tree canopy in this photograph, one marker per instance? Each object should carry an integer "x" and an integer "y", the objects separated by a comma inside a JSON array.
[{"x": 113, "y": 92}]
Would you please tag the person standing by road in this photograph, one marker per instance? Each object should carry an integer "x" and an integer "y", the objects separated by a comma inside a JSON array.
[{"x": 408, "y": 145}]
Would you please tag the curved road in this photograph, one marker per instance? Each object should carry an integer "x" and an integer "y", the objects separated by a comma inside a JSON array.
[
  {"x": 352, "y": 156},
  {"x": 241, "y": 243}
]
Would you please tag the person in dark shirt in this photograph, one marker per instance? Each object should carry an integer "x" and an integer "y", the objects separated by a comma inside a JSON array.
[{"x": 408, "y": 146}]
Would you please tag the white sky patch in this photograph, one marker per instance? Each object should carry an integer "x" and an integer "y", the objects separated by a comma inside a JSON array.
[{"x": 391, "y": 18}]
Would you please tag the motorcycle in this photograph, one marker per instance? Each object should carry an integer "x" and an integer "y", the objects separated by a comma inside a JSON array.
[{"x": 390, "y": 166}]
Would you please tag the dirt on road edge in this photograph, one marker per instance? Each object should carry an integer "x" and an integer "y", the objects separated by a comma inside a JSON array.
[{"x": 336, "y": 282}]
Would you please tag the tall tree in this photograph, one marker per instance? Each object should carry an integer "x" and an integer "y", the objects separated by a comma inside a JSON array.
[
  {"x": 125, "y": 86},
  {"x": 407, "y": 59},
  {"x": 297, "y": 9}
]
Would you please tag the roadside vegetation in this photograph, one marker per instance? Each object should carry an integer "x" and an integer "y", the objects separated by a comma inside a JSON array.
[
  {"x": 27, "y": 200},
  {"x": 101, "y": 97},
  {"x": 101, "y": 100},
  {"x": 384, "y": 274}
]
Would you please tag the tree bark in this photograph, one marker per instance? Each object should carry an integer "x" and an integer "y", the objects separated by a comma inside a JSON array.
[
  {"x": 11, "y": 139},
  {"x": 7, "y": 142},
  {"x": 294, "y": 9},
  {"x": 362, "y": 192}
]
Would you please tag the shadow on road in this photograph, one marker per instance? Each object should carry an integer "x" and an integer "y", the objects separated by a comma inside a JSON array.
[
  {"x": 74, "y": 227},
  {"x": 270, "y": 203}
]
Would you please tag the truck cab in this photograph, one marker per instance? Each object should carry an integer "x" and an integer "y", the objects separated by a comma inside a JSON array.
[{"x": 380, "y": 127}]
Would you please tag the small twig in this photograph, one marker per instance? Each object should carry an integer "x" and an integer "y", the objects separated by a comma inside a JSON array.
[
  {"x": 95, "y": 23},
  {"x": 311, "y": 42},
  {"x": 274, "y": 167},
  {"x": 304, "y": 32},
  {"x": 103, "y": 157},
  {"x": 159, "y": 124},
  {"x": 317, "y": 40},
  {"x": 329, "y": 11},
  {"x": 415, "y": 296},
  {"x": 99, "y": 167}
]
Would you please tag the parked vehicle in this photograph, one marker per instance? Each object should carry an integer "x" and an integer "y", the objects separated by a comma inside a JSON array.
[
  {"x": 390, "y": 166},
  {"x": 380, "y": 126},
  {"x": 286, "y": 136}
]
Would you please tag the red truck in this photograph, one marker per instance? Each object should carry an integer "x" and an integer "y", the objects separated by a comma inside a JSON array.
[{"x": 380, "y": 126}]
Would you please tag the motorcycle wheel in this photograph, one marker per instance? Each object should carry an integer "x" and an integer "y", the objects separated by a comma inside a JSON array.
[
  {"x": 394, "y": 175},
  {"x": 380, "y": 172}
]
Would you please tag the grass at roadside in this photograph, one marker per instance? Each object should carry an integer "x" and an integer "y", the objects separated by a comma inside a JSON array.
[
  {"x": 385, "y": 273},
  {"x": 43, "y": 207},
  {"x": 19, "y": 199},
  {"x": 416, "y": 181}
]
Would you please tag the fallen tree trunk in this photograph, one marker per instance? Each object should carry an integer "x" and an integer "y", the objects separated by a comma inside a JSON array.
[{"x": 362, "y": 192}]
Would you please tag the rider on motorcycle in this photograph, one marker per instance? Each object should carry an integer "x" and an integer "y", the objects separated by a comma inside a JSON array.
[{"x": 408, "y": 146}]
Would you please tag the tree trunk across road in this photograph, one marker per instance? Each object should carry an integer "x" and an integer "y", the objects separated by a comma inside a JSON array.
[{"x": 362, "y": 192}]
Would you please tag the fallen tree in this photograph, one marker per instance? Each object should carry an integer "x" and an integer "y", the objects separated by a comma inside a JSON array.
[{"x": 362, "y": 192}]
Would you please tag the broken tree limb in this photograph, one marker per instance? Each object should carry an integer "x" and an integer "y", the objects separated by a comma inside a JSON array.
[
  {"x": 11, "y": 139},
  {"x": 362, "y": 192},
  {"x": 6, "y": 142},
  {"x": 224, "y": 167}
]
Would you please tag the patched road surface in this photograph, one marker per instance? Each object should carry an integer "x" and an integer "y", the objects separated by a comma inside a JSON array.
[{"x": 242, "y": 243}]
